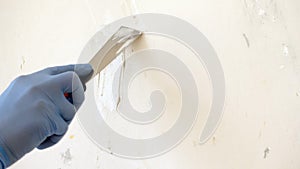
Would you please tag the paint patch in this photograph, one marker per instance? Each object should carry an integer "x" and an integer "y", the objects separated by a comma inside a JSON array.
[
  {"x": 281, "y": 67},
  {"x": 266, "y": 152},
  {"x": 246, "y": 39},
  {"x": 289, "y": 54},
  {"x": 261, "y": 11},
  {"x": 67, "y": 157},
  {"x": 285, "y": 50}
]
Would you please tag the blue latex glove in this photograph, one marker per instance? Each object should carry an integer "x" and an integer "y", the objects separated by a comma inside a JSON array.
[{"x": 34, "y": 111}]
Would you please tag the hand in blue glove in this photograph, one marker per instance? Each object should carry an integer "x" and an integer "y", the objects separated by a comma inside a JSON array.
[{"x": 34, "y": 111}]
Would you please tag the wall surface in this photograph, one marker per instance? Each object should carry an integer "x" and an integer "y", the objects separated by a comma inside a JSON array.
[{"x": 257, "y": 42}]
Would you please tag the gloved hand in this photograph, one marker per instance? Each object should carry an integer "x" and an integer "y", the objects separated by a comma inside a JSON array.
[{"x": 34, "y": 111}]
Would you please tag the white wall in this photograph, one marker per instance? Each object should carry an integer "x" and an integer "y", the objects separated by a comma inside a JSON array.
[{"x": 262, "y": 78}]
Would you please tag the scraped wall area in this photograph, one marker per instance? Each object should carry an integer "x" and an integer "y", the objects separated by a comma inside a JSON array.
[{"x": 257, "y": 44}]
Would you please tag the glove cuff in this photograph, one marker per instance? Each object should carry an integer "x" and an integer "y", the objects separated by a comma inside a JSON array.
[
  {"x": 5, "y": 155},
  {"x": 3, "y": 158}
]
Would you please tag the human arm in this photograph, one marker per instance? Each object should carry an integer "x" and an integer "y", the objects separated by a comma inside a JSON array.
[{"x": 34, "y": 111}]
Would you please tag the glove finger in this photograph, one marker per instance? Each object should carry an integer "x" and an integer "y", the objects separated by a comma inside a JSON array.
[
  {"x": 50, "y": 141},
  {"x": 61, "y": 127},
  {"x": 84, "y": 71},
  {"x": 59, "y": 69}
]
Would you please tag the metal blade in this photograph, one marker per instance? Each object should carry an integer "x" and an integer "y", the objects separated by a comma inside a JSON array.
[{"x": 110, "y": 50}]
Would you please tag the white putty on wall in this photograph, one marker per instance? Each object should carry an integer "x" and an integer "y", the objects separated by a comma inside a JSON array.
[{"x": 262, "y": 10}]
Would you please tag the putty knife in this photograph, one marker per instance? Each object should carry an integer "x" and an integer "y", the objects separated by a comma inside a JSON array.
[
  {"x": 112, "y": 48},
  {"x": 123, "y": 37}
]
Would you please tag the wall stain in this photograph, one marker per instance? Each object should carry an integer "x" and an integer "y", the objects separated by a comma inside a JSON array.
[
  {"x": 71, "y": 137},
  {"x": 98, "y": 164},
  {"x": 23, "y": 63},
  {"x": 266, "y": 152},
  {"x": 246, "y": 39},
  {"x": 67, "y": 157},
  {"x": 121, "y": 76},
  {"x": 214, "y": 140}
]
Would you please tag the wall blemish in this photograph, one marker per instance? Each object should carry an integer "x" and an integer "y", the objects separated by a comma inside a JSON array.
[
  {"x": 285, "y": 50},
  {"x": 71, "y": 137},
  {"x": 98, "y": 164},
  {"x": 214, "y": 140},
  {"x": 261, "y": 11},
  {"x": 121, "y": 76},
  {"x": 266, "y": 152},
  {"x": 67, "y": 157},
  {"x": 22, "y": 63},
  {"x": 246, "y": 39},
  {"x": 281, "y": 67}
]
